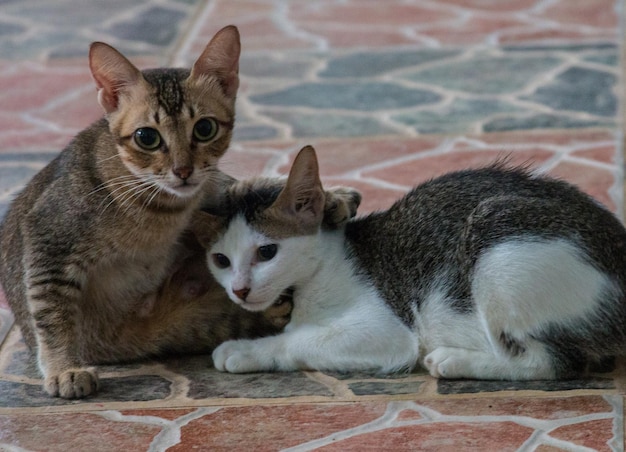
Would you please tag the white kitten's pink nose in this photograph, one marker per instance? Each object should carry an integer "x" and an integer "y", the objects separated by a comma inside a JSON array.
[{"x": 242, "y": 293}]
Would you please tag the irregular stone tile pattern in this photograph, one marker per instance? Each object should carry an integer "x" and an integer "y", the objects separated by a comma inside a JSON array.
[{"x": 391, "y": 94}]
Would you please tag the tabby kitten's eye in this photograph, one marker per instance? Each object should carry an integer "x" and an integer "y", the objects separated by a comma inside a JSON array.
[
  {"x": 267, "y": 252},
  {"x": 147, "y": 138},
  {"x": 205, "y": 129},
  {"x": 220, "y": 260}
]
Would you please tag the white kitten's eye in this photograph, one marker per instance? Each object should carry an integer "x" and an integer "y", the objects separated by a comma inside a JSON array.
[
  {"x": 266, "y": 252},
  {"x": 205, "y": 129},
  {"x": 147, "y": 138},
  {"x": 220, "y": 260}
]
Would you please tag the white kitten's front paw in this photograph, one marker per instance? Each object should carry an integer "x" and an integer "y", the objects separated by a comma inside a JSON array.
[
  {"x": 445, "y": 362},
  {"x": 238, "y": 357}
]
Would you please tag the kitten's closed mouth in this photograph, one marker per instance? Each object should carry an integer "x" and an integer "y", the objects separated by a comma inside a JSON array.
[{"x": 185, "y": 188}]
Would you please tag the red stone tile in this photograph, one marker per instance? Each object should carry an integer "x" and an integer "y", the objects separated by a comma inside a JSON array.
[
  {"x": 75, "y": 431},
  {"x": 537, "y": 408},
  {"x": 341, "y": 156},
  {"x": 595, "y": 13},
  {"x": 31, "y": 88},
  {"x": 603, "y": 153},
  {"x": 474, "y": 30},
  {"x": 339, "y": 36},
  {"x": 442, "y": 437},
  {"x": 168, "y": 414},
  {"x": 34, "y": 140},
  {"x": 491, "y": 6},
  {"x": 76, "y": 113},
  {"x": 419, "y": 170},
  {"x": 269, "y": 428},
  {"x": 592, "y": 434},
  {"x": 540, "y": 137},
  {"x": 370, "y": 12},
  {"x": 592, "y": 180},
  {"x": 244, "y": 164}
]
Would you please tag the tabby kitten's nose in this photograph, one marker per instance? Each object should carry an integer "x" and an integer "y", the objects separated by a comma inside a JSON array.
[
  {"x": 242, "y": 293},
  {"x": 183, "y": 172}
]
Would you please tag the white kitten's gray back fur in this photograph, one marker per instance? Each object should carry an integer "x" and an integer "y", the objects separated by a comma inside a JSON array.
[{"x": 441, "y": 228}]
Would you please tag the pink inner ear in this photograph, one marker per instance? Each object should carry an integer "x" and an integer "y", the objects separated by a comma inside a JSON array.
[
  {"x": 220, "y": 58},
  {"x": 112, "y": 72}
]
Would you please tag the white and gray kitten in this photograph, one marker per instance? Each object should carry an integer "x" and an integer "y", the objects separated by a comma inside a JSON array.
[{"x": 491, "y": 273}]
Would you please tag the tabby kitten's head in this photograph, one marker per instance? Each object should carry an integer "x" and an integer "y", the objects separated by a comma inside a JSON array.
[{"x": 170, "y": 126}]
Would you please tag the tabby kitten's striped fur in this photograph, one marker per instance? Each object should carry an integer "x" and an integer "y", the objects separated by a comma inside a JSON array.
[{"x": 93, "y": 236}]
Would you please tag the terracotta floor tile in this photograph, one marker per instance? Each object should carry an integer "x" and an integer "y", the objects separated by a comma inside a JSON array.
[
  {"x": 594, "y": 181},
  {"x": 382, "y": 147},
  {"x": 601, "y": 153},
  {"x": 419, "y": 170},
  {"x": 592, "y": 434},
  {"x": 537, "y": 408},
  {"x": 444, "y": 437},
  {"x": 596, "y": 13},
  {"x": 501, "y": 6},
  {"x": 80, "y": 431},
  {"x": 272, "y": 428}
]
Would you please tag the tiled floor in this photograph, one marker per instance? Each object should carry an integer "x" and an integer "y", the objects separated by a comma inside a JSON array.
[{"x": 390, "y": 93}]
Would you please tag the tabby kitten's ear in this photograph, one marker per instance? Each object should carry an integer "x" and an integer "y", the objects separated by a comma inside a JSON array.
[
  {"x": 220, "y": 58},
  {"x": 303, "y": 197},
  {"x": 205, "y": 227},
  {"x": 113, "y": 74}
]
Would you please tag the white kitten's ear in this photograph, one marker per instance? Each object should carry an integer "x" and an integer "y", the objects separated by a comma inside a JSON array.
[
  {"x": 112, "y": 73},
  {"x": 303, "y": 196},
  {"x": 221, "y": 58}
]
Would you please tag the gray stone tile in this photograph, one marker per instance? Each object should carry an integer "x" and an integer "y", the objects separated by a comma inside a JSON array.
[
  {"x": 580, "y": 89},
  {"x": 244, "y": 132},
  {"x": 206, "y": 382},
  {"x": 368, "y": 64},
  {"x": 119, "y": 389},
  {"x": 156, "y": 26},
  {"x": 64, "y": 28},
  {"x": 351, "y": 96},
  {"x": 610, "y": 59},
  {"x": 476, "y": 386},
  {"x": 384, "y": 387},
  {"x": 457, "y": 117},
  {"x": 7, "y": 28},
  {"x": 329, "y": 124},
  {"x": 276, "y": 66},
  {"x": 540, "y": 121},
  {"x": 486, "y": 74}
]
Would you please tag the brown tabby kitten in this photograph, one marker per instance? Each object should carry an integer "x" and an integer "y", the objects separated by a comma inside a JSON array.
[{"x": 92, "y": 237}]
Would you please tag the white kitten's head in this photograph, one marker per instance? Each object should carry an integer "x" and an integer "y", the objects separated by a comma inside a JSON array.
[{"x": 270, "y": 243}]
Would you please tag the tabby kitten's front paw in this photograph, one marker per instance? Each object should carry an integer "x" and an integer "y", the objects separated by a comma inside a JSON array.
[
  {"x": 72, "y": 384},
  {"x": 279, "y": 314},
  {"x": 238, "y": 357}
]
